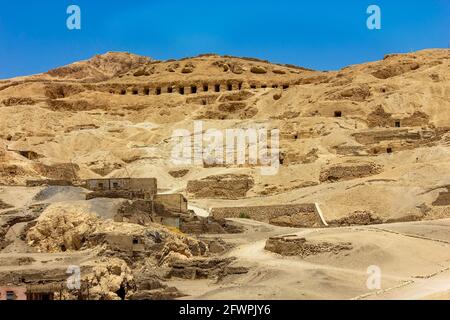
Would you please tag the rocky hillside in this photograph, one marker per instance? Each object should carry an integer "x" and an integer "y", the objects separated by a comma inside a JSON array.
[{"x": 369, "y": 140}]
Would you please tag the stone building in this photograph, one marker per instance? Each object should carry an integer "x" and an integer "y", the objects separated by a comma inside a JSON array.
[
  {"x": 13, "y": 293},
  {"x": 173, "y": 202},
  {"x": 148, "y": 185}
]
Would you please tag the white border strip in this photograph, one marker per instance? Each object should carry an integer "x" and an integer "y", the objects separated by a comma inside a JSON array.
[{"x": 319, "y": 211}]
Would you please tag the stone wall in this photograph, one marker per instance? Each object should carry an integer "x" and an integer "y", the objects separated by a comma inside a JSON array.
[
  {"x": 349, "y": 171},
  {"x": 46, "y": 182},
  {"x": 370, "y": 137},
  {"x": 148, "y": 185},
  {"x": 294, "y": 215},
  {"x": 172, "y": 202},
  {"x": 117, "y": 194}
]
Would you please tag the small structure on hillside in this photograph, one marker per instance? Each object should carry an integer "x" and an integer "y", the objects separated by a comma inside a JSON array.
[
  {"x": 13, "y": 293},
  {"x": 148, "y": 185},
  {"x": 175, "y": 202},
  {"x": 42, "y": 291}
]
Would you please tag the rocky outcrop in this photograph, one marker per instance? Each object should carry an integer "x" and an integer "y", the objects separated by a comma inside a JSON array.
[
  {"x": 4, "y": 205},
  {"x": 62, "y": 228},
  {"x": 110, "y": 279},
  {"x": 396, "y": 68},
  {"x": 221, "y": 187},
  {"x": 100, "y": 67},
  {"x": 258, "y": 70}
]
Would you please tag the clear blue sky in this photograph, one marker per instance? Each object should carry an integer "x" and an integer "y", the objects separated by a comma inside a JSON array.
[{"x": 318, "y": 34}]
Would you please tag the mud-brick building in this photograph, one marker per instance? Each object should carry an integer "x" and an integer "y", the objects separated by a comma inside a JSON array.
[
  {"x": 13, "y": 293},
  {"x": 174, "y": 202},
  {"x": 148, "y": 185},
  {"x": 39, "y": 292}
]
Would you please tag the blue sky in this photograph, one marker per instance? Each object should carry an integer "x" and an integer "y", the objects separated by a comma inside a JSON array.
[{"x": 320, "y": 34}]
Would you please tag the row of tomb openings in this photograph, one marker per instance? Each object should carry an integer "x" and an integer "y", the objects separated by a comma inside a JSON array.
[{"x": 195, "y": 89}]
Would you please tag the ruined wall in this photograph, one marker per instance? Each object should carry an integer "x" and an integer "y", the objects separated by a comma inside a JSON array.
[
  {"x": 443, "y": 199},
  {"x": 297, "y": 246},
  {"x": 221, "y": 187},
  {"x": 386, "y": 135},
  {"x": 117, "y": 194},
  {"x": 46, "y": 182},
  {"x": 349, "y": 171},
  {"x": 60, "y": 171},
  {"x": 149, "y": 185},
  {"x": 270, "y": 214},
  {"x": 172, "y": 202}
]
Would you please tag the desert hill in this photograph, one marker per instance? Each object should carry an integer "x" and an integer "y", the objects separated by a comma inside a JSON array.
[{"x": 370, "y": 140}]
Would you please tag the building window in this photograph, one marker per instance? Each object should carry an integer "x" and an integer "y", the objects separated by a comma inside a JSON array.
[
  {"x": 397, "y": 124},
  {"x": 101, "y": 185},
  {"x": 115, "y": 185},
  {"x": 10, "y": 295},
  {"x": 389, "y": 150},
  {"x": 338, "y": 114}
]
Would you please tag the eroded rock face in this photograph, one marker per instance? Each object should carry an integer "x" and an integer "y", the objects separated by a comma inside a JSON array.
[
  {"x": 4, "y": 205},
  {"x": 61, "y": 228},
  {"x": 18, "y": 101},
  {"x": 395, "y": 69},
  {"x": 110, "y": 279},
  {"x": 221, "y": 187},
  {"x": 100, "y": 67},
  {"x": 258, "y": 70},
  {"x": 380, "y": 118},
  {"x": 296, "y": 246},
  {"x": 355, "y": 93}
]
